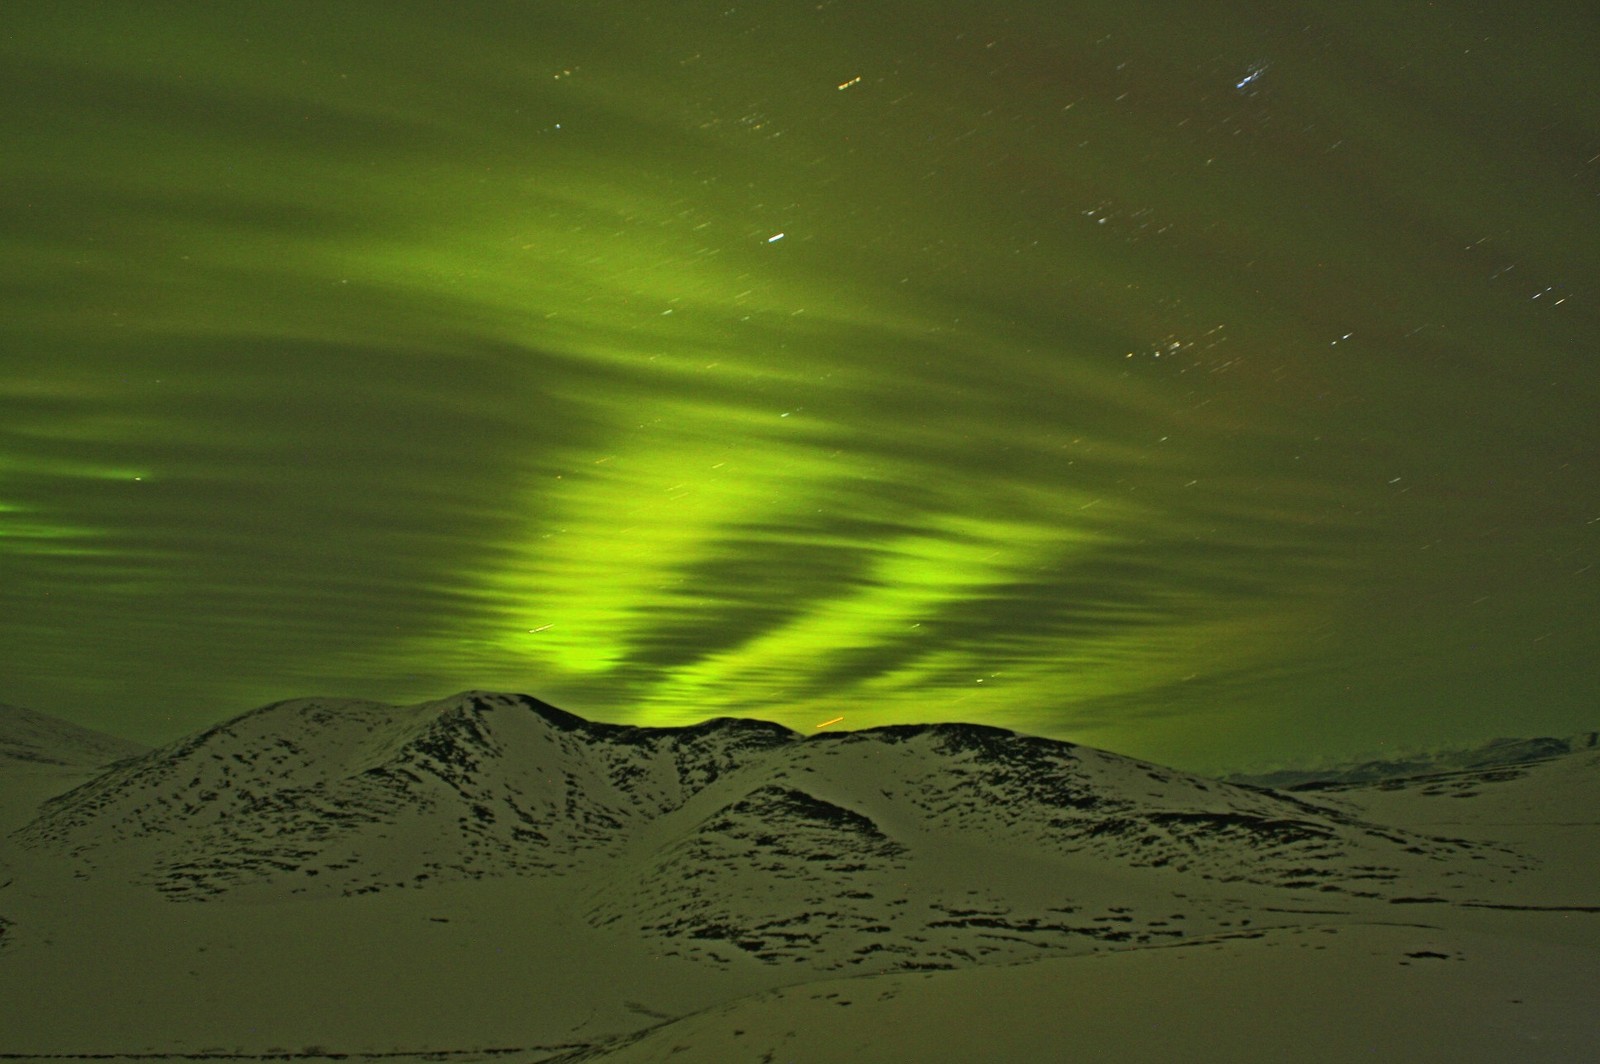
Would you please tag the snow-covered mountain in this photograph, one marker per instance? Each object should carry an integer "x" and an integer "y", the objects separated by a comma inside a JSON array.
[
  {"x": 316, "y": 797},
  {"x": 343, "y": 796},
  {"x": 574, "y": 885}
]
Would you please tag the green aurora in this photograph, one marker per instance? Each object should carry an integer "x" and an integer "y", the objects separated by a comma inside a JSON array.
[{"x": 1211, "y": 383}]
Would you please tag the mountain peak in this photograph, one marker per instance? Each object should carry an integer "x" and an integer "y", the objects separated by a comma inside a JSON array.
[{"x": 481, "y": 702}]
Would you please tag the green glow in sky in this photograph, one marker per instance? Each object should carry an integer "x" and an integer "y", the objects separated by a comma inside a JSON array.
[{"x": 1211, "y": 383}]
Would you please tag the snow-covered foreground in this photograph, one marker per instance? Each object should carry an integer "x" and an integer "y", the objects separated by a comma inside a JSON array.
[
  {"x": 488, "y": 878},
  {"x": 1309, "y": 993}
]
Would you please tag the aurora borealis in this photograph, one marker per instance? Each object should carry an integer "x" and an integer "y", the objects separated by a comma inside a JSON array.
[{"x": 1211, "y": 383}]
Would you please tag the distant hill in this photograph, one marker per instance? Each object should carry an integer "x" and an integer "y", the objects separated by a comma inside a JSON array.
[
  {"x": 34, "y": 738},
  {"x": 41, "y": 756},
  {"x": 1492, "y": 754}
]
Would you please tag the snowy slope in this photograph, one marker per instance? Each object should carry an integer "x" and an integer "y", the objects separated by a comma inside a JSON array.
[
  {"x": 1312, "y": 995},
  {"x": 1548, "y": 808},
  {"x": 897, "y": 848},
  {"x": 487, "y": 872},
  {"x": 42, "y": 756}
]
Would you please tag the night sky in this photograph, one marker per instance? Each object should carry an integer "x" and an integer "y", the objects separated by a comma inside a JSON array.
[{"x": 1214, "y": 383}]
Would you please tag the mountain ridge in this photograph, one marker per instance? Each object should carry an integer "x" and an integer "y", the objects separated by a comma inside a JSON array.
[
  {"x": 358, "y": 796},
  {"x": 487, "y": 862},
  {"x": 1492, "y": 754}
]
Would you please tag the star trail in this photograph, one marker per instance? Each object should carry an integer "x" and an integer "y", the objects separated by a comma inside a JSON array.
[{"x": 1211, "y": 384}]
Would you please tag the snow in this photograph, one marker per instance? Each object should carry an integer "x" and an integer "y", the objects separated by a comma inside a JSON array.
[
  {"x": 486, "y": 873},
  {"x": 1330, "y": 994},
  {"x": 41, "y": 756}
]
